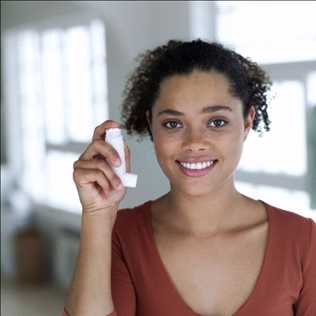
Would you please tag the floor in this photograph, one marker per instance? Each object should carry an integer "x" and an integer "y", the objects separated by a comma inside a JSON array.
[{"x": 18, "y": 300}]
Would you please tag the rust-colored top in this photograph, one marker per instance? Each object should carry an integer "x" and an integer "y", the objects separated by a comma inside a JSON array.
[{"x": 285, "y": 286}]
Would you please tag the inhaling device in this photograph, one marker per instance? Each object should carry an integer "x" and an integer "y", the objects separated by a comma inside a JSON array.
[{"x": 115, "y": 138}]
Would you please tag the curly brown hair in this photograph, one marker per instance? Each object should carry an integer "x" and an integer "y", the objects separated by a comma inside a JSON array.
[{"x": 248, "y": 81}]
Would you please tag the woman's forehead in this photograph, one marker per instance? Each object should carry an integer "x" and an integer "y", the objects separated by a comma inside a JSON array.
[
  {"x": 195, "y": 110},
  {"x": 196, "y": 77},
  {"x": 201, "y": 91},
  {"x": 196, "y": 86}
]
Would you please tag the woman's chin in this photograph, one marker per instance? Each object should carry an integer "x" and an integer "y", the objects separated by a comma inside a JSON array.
[{"x": 193, "y": 190}]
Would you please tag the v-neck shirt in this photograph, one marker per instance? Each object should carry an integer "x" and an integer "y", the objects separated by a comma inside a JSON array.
[{"x": 285, "y": 286}]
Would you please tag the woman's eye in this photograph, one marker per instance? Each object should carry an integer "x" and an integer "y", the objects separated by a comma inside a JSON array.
[
  {"x": 218, "y": 123},
  {"x": 172, "y": 124}
]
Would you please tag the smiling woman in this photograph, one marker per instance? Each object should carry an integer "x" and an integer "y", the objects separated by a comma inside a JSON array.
[{"x": 203, "y": 248}]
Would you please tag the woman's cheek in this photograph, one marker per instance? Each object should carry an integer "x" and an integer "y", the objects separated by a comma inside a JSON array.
[
  {"x": 166, "y": 139},
  {"x": 234, "y": 150},
  {"x": 166, "y": 153}
]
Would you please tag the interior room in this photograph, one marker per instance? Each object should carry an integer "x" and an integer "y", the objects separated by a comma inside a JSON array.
[{"x": 64, "y": 65}]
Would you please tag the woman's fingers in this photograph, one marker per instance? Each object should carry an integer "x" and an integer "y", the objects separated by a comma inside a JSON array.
[
  {"x": 100, "y": 165},
  {"x": 97, "y": 183},
  {"x": 100, "y": 147},
  {"x": 83, "y": 177},
  {"x": 100, "y": 130}
]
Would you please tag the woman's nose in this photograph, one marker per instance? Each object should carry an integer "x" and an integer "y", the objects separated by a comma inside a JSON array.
[{"x": 195, "y": 141}]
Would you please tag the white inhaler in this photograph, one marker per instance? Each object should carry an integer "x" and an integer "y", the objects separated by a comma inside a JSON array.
[{"x": 115, "y": 138}]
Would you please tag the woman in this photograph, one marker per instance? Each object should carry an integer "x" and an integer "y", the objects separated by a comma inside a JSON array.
[{"x": 203, "y": 248}]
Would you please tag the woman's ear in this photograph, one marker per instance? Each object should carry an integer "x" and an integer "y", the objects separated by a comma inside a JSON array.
[{"x": 249, "y": 121}]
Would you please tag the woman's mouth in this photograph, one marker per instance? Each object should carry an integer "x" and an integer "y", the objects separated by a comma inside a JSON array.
[{"x": 196, "y": 170}]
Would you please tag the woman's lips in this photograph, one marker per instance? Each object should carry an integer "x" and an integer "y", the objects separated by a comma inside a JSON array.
[{"x": 196, "y": 172}]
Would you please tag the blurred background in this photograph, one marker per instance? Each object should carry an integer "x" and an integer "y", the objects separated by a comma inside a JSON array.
[{"x": 64, "y": 65}]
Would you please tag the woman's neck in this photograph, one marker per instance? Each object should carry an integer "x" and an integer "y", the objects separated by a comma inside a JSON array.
[{"x": 204, "y": 215}]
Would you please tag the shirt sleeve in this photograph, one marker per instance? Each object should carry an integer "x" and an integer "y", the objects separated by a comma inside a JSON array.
[
  {"x": 123, "y": 289},
  {"x": 306, "y": 303},
  {"x": 123, "y": 292}
]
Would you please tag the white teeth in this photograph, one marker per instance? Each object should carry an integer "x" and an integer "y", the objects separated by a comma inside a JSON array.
[{"x": 199, "y": 165}]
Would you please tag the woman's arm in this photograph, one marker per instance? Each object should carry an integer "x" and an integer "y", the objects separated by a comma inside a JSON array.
[{"x": 90, "y": 289}]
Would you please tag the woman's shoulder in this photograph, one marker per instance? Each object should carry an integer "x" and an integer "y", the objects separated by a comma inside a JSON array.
[
  {"x": 132, "y": 211},
  {"x": 128, "y": 217},
  {"x": 290, "y": 223},
  {"x": 287, "y": 215}
]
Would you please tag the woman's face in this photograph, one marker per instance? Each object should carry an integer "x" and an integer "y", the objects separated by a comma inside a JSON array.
[{"x": 195, "y": 118}]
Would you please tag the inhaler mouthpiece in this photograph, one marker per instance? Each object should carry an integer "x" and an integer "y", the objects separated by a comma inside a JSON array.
[{"x": 115, "y": 138}]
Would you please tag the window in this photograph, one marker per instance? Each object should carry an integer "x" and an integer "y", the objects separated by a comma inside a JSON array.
[
  {"x": 311, "y": 91},
  {"x": 61, "y": 91},
  {"x": 294, "y": 200},
  {"x": 278, "y": 166},
  {"x": 269, "y": 32},
  {"x": 286, "y": 130}
]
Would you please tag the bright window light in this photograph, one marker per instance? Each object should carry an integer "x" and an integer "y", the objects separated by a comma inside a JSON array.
[
  {"x": 269, "y": 32},
  {"x": 52, "y": 69},
  {"x": 274, "y": 151},
  {"x": 77, "y": 57},
  {"x": 62, "y": 96},
  {"x": 61, "y": 190},
  {"x": 291, "y": 200},
  {"x": 311, "y": 89}
]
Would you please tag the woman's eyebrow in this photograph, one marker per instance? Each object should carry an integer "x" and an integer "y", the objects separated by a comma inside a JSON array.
[{"x": 207, "y": 109}]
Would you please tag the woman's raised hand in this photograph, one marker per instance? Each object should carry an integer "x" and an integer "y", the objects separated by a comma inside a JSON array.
[{"x": 99, "y": 188}]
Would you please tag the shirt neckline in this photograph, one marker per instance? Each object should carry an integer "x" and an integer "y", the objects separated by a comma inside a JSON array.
[{"x": 171, "y": 287}]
